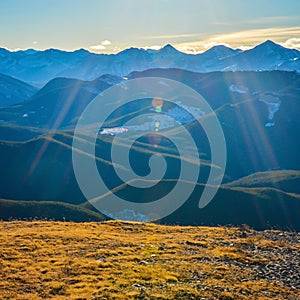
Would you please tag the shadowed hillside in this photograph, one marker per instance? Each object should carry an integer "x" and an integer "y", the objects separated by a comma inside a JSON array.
[
  {"x": 258, "y": 112},
  {"x": 41, "y": 170}
]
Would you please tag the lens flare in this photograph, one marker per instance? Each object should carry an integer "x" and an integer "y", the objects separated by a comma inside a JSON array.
[
  {"x": 90, "y": 179},
  {"x": 157, "y": 103},
  {"x": 154, "y": 139}
]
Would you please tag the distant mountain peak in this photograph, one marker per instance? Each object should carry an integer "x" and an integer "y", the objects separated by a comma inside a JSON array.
[
  {"x": 269, "y": 44},
  {"x": 220, "y": 48},
  {"x": 29, "y": 51},
  {"x": 168, "y": 48},
  {"x": 270, "y": 48},
  {"x": 82, "y": 50},
  {"x": 220, "y": 51},
  {"x": 132, "y": 50}
]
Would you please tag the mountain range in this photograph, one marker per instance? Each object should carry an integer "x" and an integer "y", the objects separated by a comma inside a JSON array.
[
  {"x": 255, "y": 95},
  {"x": 38, "y": 67}
]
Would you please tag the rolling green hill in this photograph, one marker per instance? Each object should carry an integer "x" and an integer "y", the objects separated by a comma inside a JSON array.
[
  {"x": 286, "y": 180},
  {"x": 41, "y": 169},
  {"x": 260, "y": 208},
  {"x": 49, "y": 210}
]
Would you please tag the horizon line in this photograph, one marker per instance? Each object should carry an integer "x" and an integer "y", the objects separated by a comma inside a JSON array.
[{"x": 151, "y": 48}]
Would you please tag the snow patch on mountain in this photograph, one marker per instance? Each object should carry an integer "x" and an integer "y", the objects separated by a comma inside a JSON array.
[
  {"x": 269, "y": 124},
  {"x": 273, "y": 104},
  {"x": 238, "y": 89},
  {"x": 185, "y": 115},
  {"x": 159, "y": 121},
  {"x": 113, "y": 131}
]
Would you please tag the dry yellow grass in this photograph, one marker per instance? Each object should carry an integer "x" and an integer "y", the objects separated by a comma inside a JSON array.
[{"x": 116, "y": 260}]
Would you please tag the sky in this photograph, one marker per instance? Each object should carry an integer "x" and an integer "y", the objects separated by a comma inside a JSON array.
[{"x": 109, "y": 26}]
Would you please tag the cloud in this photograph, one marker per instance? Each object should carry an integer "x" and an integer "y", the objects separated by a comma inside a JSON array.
[
  {"x": 187, "y": 49},
  {"x": 259, "y": 34},
  {"x": 292, "y": 43},
  {"x": 97, "y": 47},
  {"x": 34, "y": 42},
  {"x": 116, "y": 49},
  {"x": 243, "y": 47},
  {"x": 154, "y": 47},
  {"x": 248, "y": 38},
  {"x": 212, "y": 44},
  {"x": 106, "y": 43},
  {"x": 101, "y": 46}
]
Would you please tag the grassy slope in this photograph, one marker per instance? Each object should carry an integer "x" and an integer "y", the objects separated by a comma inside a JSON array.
[
  {"x": 114, "y": 260},
  {"x": 260, "y": 208},
  {"x": 11, "y": 209},
  {"x": 287, "y": 180}
]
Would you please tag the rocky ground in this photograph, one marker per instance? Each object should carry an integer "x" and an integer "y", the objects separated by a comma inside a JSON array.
[{"x": 115, "y": 260}]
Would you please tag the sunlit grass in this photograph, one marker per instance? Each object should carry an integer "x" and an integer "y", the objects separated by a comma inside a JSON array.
[{"x": 114, "y": 260}]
